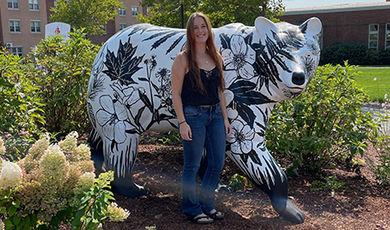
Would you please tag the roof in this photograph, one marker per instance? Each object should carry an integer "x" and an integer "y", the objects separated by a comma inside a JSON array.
[{"x": 339, "y": 8}]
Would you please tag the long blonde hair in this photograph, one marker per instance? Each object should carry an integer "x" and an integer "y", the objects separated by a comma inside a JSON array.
[{"x": 211, "y": 49}]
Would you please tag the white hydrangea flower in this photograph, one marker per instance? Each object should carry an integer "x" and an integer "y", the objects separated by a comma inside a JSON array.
[
  {"x": 117, "y": 214},
  {"x": 85, "y": 182},
  {"x": 83, "y": 152},
  {"x": 2, "y": 147},
  {"x": 10, "y": 176},
  {"x": 70, "y": 143}
]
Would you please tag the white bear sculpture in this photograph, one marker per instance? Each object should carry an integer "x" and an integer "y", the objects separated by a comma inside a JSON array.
[{"x": 130, "y": 92}]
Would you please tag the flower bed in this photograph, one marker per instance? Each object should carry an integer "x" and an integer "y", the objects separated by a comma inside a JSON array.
[{"x": 55, "y": 186}]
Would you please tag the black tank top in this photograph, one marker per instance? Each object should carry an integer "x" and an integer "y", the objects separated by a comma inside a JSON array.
[{"x": 191, "y": 95}]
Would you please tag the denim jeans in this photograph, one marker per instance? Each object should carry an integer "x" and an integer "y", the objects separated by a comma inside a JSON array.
[{"x": 208, "y": 132}]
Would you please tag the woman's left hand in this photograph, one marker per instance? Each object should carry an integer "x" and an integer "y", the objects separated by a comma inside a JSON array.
[{"x": 228, "y": 128}]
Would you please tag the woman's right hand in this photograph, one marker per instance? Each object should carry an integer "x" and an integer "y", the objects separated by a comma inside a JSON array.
[{"x": 185, "y": 132}]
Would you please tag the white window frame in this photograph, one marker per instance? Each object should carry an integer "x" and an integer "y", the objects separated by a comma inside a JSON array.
[
  {"x": 14, "y": 4},
  {"x": 33, "y": 24},
  {"x": 122, "y": 12},
  {"x": 33, "y": 5},
  {"x": 14, "y": 27},
  {"x": 122, "y": 26},
  {"x": 17, "y": 49},
  {"x": 134, "y": 11},
  {"x": 373, "y": 33},
  {"x": 387, "y": 37}
]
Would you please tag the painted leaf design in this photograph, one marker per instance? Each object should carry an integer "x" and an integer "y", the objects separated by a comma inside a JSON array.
[
  {"x": 124, "y": 65},
  {"x": 248, "y": 39},
  {"x": 141, "y": 27},
  {"x": 138, "y": 116},
  {"x": 146, "y": 101},
  {"x": 244, "y": 93},
  {"x": 157, "y": 35},
  {"x": 246, "y": 113},
  {"x": 174, "y": 44},
  {"x": 163, "y": 39},
  {"x": 225, "y": 41}
]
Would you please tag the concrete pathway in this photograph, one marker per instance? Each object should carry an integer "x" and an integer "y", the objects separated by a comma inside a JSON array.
[{"x": 382, "y": 109}]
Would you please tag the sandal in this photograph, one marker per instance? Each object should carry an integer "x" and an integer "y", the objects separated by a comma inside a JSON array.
[
  {"x": 215, "y": 215},
  {"x": 201, "y": 219}
]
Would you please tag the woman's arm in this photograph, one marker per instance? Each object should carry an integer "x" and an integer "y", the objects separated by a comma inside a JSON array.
[
  {"x": 222, "y": 103},
  {"x": 177, "y": 78}
]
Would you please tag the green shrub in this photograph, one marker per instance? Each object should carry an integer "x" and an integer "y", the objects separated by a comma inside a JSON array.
[
  {"x": 20, "y": 108},
  {"x": 354, "y": 53},
  {"x": 330, "y": 184},
  {"x": 238, "y": 182},
  {"x": 382, "y": 170},
  {"x": 325, "y": 124},
  {"x": 62, "y": 75},
  {"x": 17, "y": 145}
]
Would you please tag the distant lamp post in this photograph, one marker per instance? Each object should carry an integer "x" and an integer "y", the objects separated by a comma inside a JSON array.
[{"x": 182, "y": 15}]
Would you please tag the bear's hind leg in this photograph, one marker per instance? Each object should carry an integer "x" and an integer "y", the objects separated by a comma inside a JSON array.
[{"x": 121, "y": 158}]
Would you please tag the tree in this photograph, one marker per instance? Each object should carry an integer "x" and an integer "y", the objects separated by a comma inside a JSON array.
[
  {"x": 88, "y": 14},
  {"x": 220, "y": 12}
]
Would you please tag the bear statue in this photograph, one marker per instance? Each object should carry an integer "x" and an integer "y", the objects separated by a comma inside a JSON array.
[{"x": 129, "y": 92}]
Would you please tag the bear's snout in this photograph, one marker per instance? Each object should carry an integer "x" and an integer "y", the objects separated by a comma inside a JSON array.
[{"x": 298, "y": 78}]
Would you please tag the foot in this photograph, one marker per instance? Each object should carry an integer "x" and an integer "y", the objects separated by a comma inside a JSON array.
[
  {"x": 201, "y": 219},
  {"x": 215, "y": 215},
  {"x": 127, "y": 187},
  {"x": 288, "y": 211}
]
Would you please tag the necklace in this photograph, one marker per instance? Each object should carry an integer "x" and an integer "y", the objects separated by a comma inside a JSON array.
[{"x": 207, "y": 62}]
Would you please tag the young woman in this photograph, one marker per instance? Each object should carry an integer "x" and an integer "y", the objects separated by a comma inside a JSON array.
[{"x": 199, "y": 102}]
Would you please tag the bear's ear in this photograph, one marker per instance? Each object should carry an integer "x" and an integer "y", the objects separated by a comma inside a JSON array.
[
  {"x": 311, "y": 26},
  {"x": 265, "y": 27}
]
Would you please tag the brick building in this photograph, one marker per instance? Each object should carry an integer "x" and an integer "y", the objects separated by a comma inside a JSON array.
[
  {"x": 353, "y": 23},
  {"x": 22, "y": 22}
]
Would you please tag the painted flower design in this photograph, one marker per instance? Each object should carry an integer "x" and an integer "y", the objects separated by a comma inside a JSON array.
[
  {"x": 165, "y": 90},
  {"x": 240, "y": 57},
  {"x": 126, "y": 95},
  {"x": 112, "y": 118},
  {"x": 241, "y": 138}
]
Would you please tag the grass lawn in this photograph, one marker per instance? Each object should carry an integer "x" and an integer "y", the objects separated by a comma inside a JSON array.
[{"x": 376, "y": 82}]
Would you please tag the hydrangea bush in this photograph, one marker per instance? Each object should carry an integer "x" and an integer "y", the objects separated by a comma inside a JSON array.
[{"x": 55, "y": 186}]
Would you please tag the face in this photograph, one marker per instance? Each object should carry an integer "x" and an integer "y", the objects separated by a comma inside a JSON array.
[{"x": 201, "y": 33}]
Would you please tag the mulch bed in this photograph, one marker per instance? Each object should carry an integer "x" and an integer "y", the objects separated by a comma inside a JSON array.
[{"x": 364, "y": 205}]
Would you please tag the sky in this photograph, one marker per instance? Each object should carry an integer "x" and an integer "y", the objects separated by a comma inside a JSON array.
[{"x": 289, "y": 4}]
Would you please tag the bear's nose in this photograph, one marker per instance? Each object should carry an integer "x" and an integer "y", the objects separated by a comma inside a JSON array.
[{"x": 298, "y": 78}]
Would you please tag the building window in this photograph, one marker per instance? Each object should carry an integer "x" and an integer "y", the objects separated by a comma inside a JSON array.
[
  {"x": 33, "y": 4},
  {"x": 13, "y": 4},
  {"x": 122, "y": 26},
  {"x": 35, "y": 26},
  {"x": 373, "y": 31},
  {"x": 134, "y": 11},
  {"x": 122, "y": 12},
  {"x": 17, "y": 50},
  {"x": 387, "y": 38},
  {"x": 14, "y": 26}
]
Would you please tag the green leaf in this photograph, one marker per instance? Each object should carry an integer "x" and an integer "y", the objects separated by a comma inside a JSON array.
[{"x": 11, "y": 211}]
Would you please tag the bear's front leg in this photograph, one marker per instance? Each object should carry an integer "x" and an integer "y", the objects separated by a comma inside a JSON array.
[{"x": 264, "y": 171}]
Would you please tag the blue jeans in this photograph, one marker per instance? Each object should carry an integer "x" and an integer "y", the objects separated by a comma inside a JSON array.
[{"x": 208, "y": 131}]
